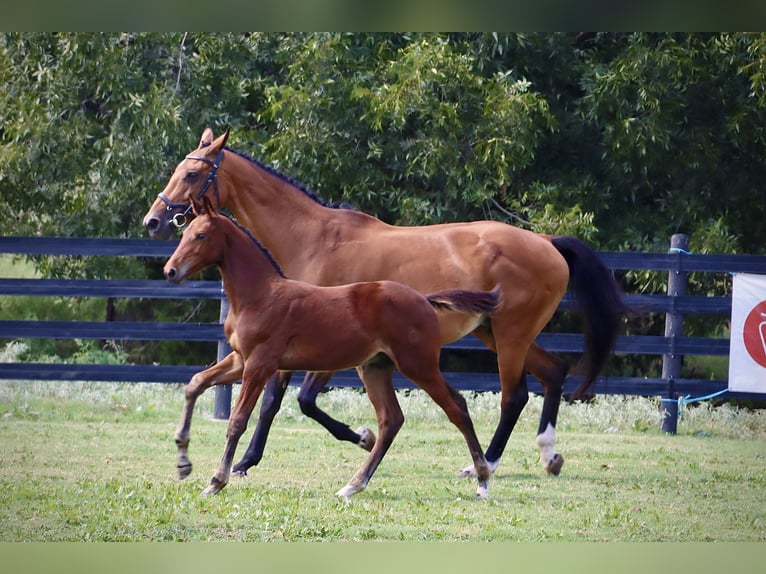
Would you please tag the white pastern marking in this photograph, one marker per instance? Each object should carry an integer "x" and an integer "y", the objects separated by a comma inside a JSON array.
[{"x": 545, "y": 442}]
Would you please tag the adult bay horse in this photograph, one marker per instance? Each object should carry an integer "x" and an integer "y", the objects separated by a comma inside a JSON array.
[
  {"x": 278, "y": 323},
  {"x": 325, "y": 245}
]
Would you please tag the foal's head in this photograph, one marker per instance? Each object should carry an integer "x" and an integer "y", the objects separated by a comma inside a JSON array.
[{"x": 202, "y": 244}]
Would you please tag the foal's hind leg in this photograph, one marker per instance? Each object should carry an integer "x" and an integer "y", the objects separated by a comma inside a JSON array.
[
  {"x": 228, "y": 370},
  {"x": 421, "y": 366},
  {"x": 380, "y": 390}
]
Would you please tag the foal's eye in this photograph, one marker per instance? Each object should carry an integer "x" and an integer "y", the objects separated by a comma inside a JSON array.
[
  {"x": 200, "y": 236},
  {"x": 191, "y": 176}
]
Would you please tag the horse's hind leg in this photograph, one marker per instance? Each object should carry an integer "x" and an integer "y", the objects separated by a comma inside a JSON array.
[
  {"x": 228, "y": 370},
  {"x": 273, "y": 394},
  {"x": 510, "y": 411},
  {"x": 551, "y": 372},
  {"x": 380, "y": 390},
  {"x": 307, "y": 399}
]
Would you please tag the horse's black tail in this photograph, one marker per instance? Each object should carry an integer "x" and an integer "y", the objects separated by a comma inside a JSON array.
[
  {"x": 599, "y": 298},
  {"x": 479, "y": 302}
]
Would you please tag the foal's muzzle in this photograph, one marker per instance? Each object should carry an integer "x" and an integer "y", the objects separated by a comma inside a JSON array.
[{"x": 172, "y": 275}]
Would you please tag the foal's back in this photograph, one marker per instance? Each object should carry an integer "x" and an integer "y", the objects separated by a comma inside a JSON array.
[{"x": 335, "y": 328}]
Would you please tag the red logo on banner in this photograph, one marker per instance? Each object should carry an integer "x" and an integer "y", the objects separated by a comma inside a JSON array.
[{"x": 755, "y": 333}]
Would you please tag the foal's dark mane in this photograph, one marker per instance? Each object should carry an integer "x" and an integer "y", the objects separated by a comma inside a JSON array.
[
  {"x": 294, "y": 183},
  {"x": 258, "y": 244}
]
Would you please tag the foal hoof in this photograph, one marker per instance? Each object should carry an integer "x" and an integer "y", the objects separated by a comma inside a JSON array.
[
  {"x": 348, "y": 491},
  {"x": 367, "y": 438},
  {"x": 470, "y": 471},
  {"x": 214, "y": 487},
  {"x": 184, "y": 470},
  {"x": 482, "y": 492},
  {"x": 554, "y": 465}
]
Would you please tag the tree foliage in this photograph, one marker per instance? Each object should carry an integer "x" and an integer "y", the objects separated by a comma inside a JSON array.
[{"x": 621, "y": 139}]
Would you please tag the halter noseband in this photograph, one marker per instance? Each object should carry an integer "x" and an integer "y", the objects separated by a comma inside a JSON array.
[{"x": 180, "y": 219}]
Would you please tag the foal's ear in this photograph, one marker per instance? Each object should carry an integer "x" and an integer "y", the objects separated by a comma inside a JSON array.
[
  {"x": 207, "y": 137},
  {"x": 208, "y": 206},
  {"x": 198, "y": 207}
]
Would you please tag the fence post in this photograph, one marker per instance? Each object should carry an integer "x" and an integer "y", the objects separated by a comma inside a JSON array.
[
  {"x": 222, "y": 406},
  {"x": 674, "y": 328}
]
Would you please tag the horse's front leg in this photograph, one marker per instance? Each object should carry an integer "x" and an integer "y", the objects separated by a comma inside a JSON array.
[
  {"x": 228, "y": 370},
  {"x": 307, "y": 399},
  {"x": 273, "y": 394},
  {"x": 253, "y": 380}
]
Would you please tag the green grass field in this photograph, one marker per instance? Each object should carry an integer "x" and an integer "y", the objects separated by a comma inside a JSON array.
[{"x": 96, "y": 461}]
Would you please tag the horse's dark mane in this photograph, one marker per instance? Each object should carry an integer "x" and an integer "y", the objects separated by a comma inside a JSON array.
[
  {"x": 294, "y": 183},
  {"x": 258, "y": 244}
]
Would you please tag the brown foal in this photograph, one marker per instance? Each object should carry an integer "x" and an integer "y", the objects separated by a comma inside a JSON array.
[{"x": 275, "y": 323}]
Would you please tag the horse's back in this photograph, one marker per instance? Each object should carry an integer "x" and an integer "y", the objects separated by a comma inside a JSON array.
[{"x": 474, "y": 255}]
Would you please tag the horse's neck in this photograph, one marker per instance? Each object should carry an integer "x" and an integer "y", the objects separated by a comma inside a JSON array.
[{"x": 289, "y": 223}]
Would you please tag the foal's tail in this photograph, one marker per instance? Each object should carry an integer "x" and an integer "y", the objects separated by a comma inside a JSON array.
[
  {"x": 478, "y": 302},
  {"x": 600, "y": 300}
]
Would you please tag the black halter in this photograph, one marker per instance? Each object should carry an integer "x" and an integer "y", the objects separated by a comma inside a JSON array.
[{"x": 180, "y": 219}]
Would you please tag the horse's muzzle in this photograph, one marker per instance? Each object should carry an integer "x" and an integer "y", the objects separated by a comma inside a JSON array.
[{"x": 158, "y": 228}]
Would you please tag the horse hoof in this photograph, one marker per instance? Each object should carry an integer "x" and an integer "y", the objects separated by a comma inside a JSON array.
[
  {"x": 239, "y": 470},
  {"x": 184, "y": 470},
  {"x": 554, "y": 465},
  {"x": 366, "y": 438}
]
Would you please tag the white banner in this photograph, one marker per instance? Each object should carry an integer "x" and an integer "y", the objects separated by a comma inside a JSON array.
[{"x": 747, "y": 350}]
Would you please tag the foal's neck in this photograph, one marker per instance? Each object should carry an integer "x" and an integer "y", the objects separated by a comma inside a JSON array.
[{"x": 247, "y": 271}]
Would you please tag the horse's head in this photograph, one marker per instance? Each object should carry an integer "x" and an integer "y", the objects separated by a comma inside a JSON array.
[
  {"x": 195, "y": 177},
  {"x": 201, "y": 244}
]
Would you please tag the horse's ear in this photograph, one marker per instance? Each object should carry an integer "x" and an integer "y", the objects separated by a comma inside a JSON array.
[
  {"x": 220, "y": 142},
  {"x": 207, "y": 137}
]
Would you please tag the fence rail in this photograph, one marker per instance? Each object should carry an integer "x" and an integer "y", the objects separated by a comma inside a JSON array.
[{"x": 672, "y": 346}]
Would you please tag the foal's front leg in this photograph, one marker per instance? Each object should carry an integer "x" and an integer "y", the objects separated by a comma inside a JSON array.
[
  {"x": 253, "y": 381},
  {"x": 228, "y": 370}
]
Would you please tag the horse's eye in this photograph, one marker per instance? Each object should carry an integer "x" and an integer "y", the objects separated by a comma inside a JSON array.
[
  {"x": 200, "y": 236},
  {"x": 192, "y": 175}
]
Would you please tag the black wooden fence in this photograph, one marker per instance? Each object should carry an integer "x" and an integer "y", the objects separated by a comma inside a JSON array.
[{"x": 672, "y": 346}]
